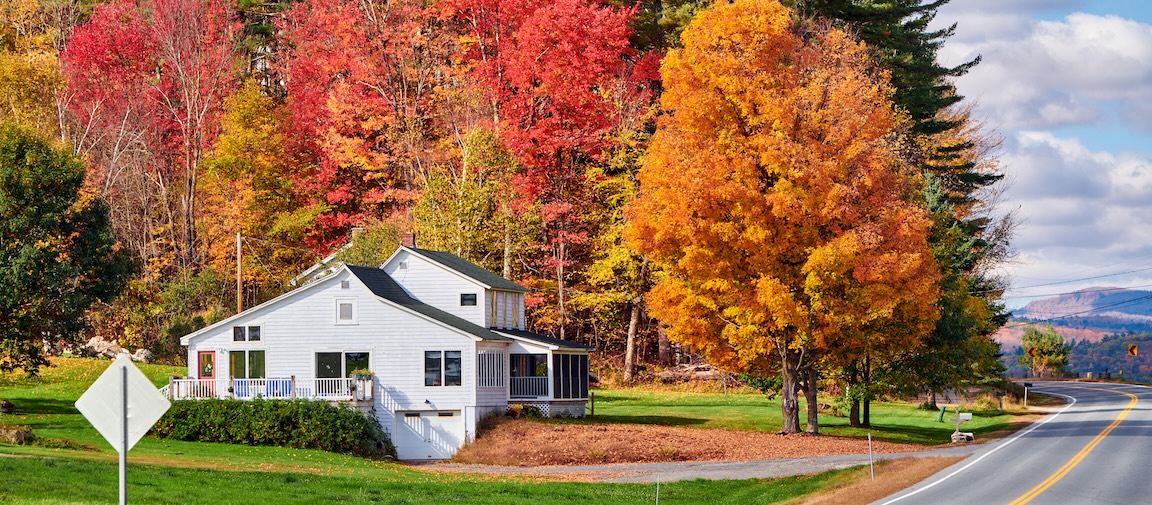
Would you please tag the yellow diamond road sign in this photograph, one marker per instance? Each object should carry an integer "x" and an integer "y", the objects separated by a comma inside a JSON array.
[
  {"x": 1132, "y": 351},
  {"x": 102, "y": 403}
]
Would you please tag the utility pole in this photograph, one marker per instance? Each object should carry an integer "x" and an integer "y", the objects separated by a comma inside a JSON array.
[{"x": 239, "y": 278}]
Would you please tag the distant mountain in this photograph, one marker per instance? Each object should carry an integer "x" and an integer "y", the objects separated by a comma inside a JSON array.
[
  {"x": 1087, "y": 315},
  {"x": 1091, "y": 302}
]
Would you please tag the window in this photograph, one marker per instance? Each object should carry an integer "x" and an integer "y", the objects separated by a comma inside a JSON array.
[
  {"x": 345, "y": 311},
  {"x": 245, "y": 333},
  {"x": 490, "y": 369},
  {"x": 340, "y": 365},
  {"x": 443, "y": 368},
  {"x": 246, "y": 364},
  {"x": 467, "y": 299}
]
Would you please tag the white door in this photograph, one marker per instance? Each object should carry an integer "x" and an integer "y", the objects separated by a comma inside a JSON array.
[{"x": 428, "y": 434}]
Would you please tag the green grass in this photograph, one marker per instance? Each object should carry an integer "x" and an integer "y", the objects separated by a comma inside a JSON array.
[
  {"x": 167, "y": 471},
  {"x": 56, "y": 480},
  {"x": 750, "y": 411}
]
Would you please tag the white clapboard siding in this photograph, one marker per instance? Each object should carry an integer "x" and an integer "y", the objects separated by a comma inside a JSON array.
[
  {"x": 295, "y": 328},
  {"x": 437, "y": 286}
]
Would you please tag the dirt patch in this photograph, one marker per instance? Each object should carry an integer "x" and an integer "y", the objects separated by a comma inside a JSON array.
[
  {"x": 526, "y": 442},
  {"x": 891, "y": 477}
]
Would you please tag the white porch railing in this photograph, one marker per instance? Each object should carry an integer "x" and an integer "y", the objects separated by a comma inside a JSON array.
[
  {"x": 528, "y": 387},
  {"x": 346, "y": 389}
]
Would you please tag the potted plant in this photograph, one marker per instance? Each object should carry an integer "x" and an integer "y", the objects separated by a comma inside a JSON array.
[{"x": 362, "y": 374}]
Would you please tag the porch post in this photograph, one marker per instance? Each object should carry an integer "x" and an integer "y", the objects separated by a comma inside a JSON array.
[{"x": 292, "y": 379}]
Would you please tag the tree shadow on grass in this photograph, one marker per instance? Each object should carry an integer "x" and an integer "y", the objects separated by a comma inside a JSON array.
[{"x": 30, "y": 406}]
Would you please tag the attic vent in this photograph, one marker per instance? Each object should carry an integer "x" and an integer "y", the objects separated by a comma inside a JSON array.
[
  {"x": 345, "y": 284},
  {"x": 403, "y": 265}
]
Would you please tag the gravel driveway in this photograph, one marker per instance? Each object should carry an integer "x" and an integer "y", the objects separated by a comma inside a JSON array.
[{"x": 689, "y": 470}]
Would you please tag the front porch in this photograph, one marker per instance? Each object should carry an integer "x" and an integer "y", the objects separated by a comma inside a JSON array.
[{"x": 279, "y": 388}]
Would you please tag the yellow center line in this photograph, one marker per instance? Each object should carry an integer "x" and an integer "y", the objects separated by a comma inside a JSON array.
[{"x": 1050, "y": 481}]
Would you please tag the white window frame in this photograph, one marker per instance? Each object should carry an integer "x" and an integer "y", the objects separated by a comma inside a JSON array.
[
  {"x": 443, "y": 368},
  {"x": 355, "y": 312},
  {"x": 247, "y": 332}
]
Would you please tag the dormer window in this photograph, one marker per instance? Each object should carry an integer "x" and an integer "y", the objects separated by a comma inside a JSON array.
[
  {"x": 468, "y": 299},
  {"x": 346, "y": 311}
]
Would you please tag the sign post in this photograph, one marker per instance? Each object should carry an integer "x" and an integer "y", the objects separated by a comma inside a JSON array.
[
  {"x": 122, "y": 405},
  {"x": 1026, "y": 386}
]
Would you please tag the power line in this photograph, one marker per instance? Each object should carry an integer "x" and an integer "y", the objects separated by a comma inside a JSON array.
[{"x": 1057, "y": 283}]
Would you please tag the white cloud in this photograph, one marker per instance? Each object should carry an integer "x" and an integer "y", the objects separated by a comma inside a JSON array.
[
  {"x": 1047, "y": 74},
  {"x": 1082, "y": 212}
]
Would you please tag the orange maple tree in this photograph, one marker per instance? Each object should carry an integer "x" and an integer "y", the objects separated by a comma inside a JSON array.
[{"x": 774, "y": 197}]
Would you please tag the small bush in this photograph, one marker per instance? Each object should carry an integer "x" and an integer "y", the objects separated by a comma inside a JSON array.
[{"x": 301, "y": 424}]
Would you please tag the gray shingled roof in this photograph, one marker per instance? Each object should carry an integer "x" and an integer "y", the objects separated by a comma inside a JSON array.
[
  {"x": 382, "y": 285},
  {"x": 544, "y": 339},
  {"x": 469, "y": 269}
]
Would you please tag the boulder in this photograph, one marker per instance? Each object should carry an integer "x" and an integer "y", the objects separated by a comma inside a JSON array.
[{"x": 143, "y": 355}]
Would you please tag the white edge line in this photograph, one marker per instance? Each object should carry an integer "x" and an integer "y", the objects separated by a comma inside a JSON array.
[{"x": 989, "y": 453}]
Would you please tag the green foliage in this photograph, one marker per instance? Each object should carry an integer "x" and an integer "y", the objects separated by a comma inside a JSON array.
[
  {"x": 1044, "y": 351},
  {"x": 375, "y": 244},
  {"x": 57, "y": 251},
  {"x": 1110, "y": 356},
  {"x": 301, "y": 424},
  {"x": 764, "y": 384},
  {"x": 467, "y": 209}
]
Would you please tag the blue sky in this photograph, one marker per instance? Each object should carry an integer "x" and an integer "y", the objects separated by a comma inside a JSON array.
[{"x": 1067, "y": 84}]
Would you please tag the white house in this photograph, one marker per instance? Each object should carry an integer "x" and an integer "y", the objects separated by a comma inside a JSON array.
[{"x": 445, "y": 341}]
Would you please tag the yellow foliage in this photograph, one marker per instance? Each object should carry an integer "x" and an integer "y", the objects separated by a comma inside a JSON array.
[{"x": 774, "y": 196}]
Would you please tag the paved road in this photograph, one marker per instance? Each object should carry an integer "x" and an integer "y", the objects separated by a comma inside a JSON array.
[{"x": 1095, "y": 450}]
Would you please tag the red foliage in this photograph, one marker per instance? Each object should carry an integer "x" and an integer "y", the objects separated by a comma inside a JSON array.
[{"x": 360, "y": 80}]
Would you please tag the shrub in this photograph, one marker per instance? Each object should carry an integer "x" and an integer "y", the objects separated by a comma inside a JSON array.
[{"x": 302, "y": 424}]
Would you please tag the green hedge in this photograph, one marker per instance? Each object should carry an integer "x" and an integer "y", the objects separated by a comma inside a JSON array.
[{"x": 303, "y": 424}]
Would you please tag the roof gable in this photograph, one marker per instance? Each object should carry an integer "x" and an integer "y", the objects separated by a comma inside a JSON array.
[
  {"x": 383, "y": 286},
  {"x": 467, "y": 269}
]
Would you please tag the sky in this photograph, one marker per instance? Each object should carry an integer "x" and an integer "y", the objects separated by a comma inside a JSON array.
[{"x": 1067, "y": 85}]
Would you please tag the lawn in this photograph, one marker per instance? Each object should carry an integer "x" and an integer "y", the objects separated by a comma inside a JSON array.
[
  {"x": 751, "y": 411},
  {"x": 80, "y": 467}
]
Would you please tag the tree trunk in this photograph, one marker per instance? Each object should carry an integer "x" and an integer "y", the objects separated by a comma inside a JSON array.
[
  {"x": 507, "y": 246},
  {"x": 664, "y": 346},
  {"x": 853, "y": 379},
  {"x": 867, "y": 410},
  {"x": 813, "y": 404},
  {"x": 630, "y": 346},
  {"x": 789, "y": 406},
  {"x": 932, "y": 398},
  {"x": 560, "y": 286}
]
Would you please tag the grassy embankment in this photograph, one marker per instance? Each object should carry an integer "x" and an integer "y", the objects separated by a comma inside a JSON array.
[
  {"x": 77, "y": 466},
  {"x": 750, "y": 411}
]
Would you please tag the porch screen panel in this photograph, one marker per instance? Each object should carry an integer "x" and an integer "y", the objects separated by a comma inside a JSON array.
[
  {"x": 328, "y": 365},
  {"x": 571, "y": 376},
  {"x": 559, "y": 385},
  {"x": 582, "y": 376}
]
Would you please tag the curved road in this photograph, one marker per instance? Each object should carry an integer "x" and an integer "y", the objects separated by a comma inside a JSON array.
[{"x": 1096, "y": 449}]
